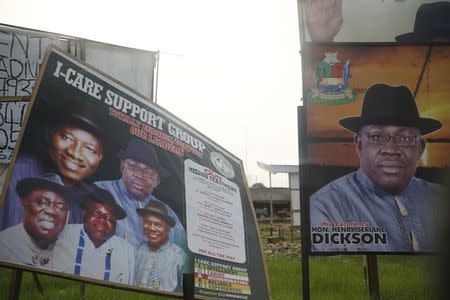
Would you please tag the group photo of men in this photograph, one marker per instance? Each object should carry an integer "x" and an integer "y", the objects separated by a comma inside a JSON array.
[{"x": 62, "y": 212}]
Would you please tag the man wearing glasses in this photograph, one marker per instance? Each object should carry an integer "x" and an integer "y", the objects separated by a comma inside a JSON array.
[
  {"x": 141, "y": 172},
  {"x": 382, "y": 196}
]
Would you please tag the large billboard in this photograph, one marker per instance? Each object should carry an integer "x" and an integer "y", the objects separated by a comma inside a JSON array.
[
  {"x": 21, "y": 54},
  {"x": 412, "y": 21},
  {"x": 377, "y": 135},
  {"x": 12, "y": 113},
  {"x": 108, "y": 187}
]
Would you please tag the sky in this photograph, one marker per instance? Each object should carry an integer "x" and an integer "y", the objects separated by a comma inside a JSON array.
[{"x": 229, "y": 68}]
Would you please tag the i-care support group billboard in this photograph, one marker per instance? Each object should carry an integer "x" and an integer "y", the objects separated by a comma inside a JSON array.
[{"x": 114, "y": 189}]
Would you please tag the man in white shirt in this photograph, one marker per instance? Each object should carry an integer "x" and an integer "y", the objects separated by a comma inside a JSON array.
[
  {"x": 92, "y": 247},
  {"x": 46, "y": 205}
]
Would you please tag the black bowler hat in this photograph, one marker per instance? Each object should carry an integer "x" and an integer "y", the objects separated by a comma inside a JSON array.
[
  {"x": 389, "y": 105},
  {"x": 85, "y": 115},
  {"x": 432, "y": 24},
  {"x": 49, "y": 181},
  {"x": 90, "y": 193},
  {"x": 157, "y": 209},
  {"x": 145, "y": 153}
]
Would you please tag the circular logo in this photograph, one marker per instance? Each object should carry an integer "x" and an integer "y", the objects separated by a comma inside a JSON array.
[{"x": 222, "y": 165}]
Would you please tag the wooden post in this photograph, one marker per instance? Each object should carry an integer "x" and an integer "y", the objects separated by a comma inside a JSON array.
[
  {"x": 372, "y": 276},
  {"x": 14, "y": 287}
]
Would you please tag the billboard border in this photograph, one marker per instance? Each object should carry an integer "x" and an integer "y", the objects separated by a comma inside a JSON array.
[{"x": 138, "y": 97}]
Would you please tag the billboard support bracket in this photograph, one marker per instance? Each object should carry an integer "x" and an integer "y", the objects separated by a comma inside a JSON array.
[
  {"x": 14, "y": 287},
  {"x": 372, "y": 275}
]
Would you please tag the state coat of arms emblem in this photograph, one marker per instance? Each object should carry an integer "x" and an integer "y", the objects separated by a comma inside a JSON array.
[{"x": 331, "y": 86}]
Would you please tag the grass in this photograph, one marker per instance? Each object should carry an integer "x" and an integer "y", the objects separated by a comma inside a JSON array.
[
  {"x": 285, "y": 277},
  {"x": 333, "y": 277},
  {"x": 400, "y": 277},
  {"x": 57, "y": 288}
]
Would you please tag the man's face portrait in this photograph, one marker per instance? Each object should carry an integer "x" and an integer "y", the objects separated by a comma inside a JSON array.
[
  {"x": 388, "y": 165},
  {"x": 156, "y": 230},
  {"x": 76, "y": 153},
  {"x": 99, "y": 222},
  {"x": 139, "y": 179},
  {"x": 45, "y": 215}
]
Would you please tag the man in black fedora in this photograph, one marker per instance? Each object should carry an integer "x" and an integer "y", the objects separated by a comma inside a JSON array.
[
  {"x": 141, "y": 173},
  {"x": 34, "y": 241},
  {"x": 324, "y": 19},
  {"x": 160, "y": 264},
  {"x": 74, "y": 142},
  {"x": 432, "y": 24},
  {"x": 382, "y": 206}
]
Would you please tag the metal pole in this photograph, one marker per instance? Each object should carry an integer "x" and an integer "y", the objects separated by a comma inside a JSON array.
[
  {"x": 188, "y": 286},
  {"x": 16, "y": 281},
  {"x": 270, "y": 198},
  {"x": 304, "y": 202},
  {"x": 372, "y": 275},
  {"x": 82, "y": 290},
  {"x": 38, "y": 283},
  {"x": 156, "y": 78}
]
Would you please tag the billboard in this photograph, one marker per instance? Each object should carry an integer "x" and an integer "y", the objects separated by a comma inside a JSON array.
[
  {"x": 106, "y": 186},
  {"x": 383, "y": 111},
  {"x": 12, "y": 113},
  {"x": 414, "y": 21},
  {"x": 21, "y": 54}
]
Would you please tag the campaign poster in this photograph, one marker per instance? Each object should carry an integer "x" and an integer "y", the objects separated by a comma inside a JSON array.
[
  {"x": 106, "y": 186},
  {"x": 406, "y": 22},
  {"x": 12, "y": 113},
  {"x": 375, "y": 186}
]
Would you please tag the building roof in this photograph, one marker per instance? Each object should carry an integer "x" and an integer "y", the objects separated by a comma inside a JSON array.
[
  {"x": 264, "y": 194},
  {"x": 278, "y": 168}
]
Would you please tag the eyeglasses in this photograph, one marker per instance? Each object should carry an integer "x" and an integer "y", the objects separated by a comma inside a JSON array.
[
  {"x": 383, "y": 139},
  {"x": 148, "y": 173}
]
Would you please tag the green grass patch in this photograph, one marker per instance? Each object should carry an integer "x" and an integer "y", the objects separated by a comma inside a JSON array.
[
  {"x": 58, "y": 288},
  {"x": 331, "y": 277},
  {"x": 285, "y": 277},
  {"x": 400, "y": 277}
]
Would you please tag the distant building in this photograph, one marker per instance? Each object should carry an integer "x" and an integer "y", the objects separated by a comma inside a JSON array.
[{"x": 281, "y": 199}]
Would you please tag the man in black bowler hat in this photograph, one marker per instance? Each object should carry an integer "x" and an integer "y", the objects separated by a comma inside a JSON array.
[
  {"x": 381, "y": 207},
  {"x": 34, "y": 241},
  {"x": 141, "y": 173},
  {"x": 74, "y": 141},
  {"x": 91, "y": 249}
]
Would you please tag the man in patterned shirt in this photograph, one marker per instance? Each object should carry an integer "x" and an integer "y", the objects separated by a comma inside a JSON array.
[{"x": 159, "y": 262}]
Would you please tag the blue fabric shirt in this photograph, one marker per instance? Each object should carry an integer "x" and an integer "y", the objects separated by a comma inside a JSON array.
[
  {"x": 161, "y": 269},
  {"x": 115, "y": 257},
  {"x": 131, "y": 228},
  {"x": 11, "y": 213},
  {"x": 408, "y": 219}
]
